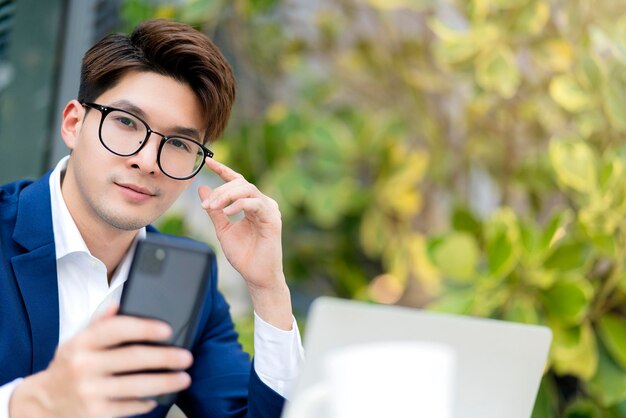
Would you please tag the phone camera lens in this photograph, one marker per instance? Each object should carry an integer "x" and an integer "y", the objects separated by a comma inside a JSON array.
[{"x": 159, "y": 254}]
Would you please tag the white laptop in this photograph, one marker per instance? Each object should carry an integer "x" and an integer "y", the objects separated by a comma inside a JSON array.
[{"x": 498, "y": 364}]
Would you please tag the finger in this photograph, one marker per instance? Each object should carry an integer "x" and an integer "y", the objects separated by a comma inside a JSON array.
[
  {"x": 251, "y": 207},
  {"x": 226, "y": 173},
  {"x": 109, "y": 312},
  {"x": 204, "y": 192},
  {"x": 220, "y": 221},
  {"x": 122, "y": 329},
  {"x": 230, "y": 192},
  {"x": 145, "y": 384},
  {"x": 143, "y": 357}
]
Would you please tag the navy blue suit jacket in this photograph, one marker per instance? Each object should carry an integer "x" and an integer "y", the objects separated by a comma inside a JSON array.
[{"x": 224, "y": 383}]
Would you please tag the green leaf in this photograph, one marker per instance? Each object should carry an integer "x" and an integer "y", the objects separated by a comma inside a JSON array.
[
  {"x": 173, "y": 224},
  {"x": 464, "y": 220},
  {"x": 575, "y": 164},
  {"x": 574, "y": 351},
  {"x": 582, "y": 408},
  {"x": 612, "y": 330},
  {"x": 608, "y": 385},
  {"x": 568, "y": 256},
  {"x": 522, "y": 309},
  {"x": 195, "y": 12},
  {"x": 567, "y": 92},
  {"x": 620, "y": 410},
  {"x": 456, "y": 256},
  {"x": 555, "y": 230},
  {"x": 458, "y": 302},
  {"x": 327, "y": 204},
  {"x": 496, "y": 70},
  {"x": 544, "y": 403},
  {"x": 568, "y": 300},
  {"x": 503, "y": 243}
]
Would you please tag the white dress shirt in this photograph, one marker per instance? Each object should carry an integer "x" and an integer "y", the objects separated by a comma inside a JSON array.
[{"x": 84, "y": 292}]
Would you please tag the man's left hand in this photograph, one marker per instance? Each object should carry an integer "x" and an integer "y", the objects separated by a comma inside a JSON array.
[{"x": 253, "y": 244}]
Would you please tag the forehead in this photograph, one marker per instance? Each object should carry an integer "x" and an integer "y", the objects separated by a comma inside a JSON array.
[{"x": 165, "y": 102}]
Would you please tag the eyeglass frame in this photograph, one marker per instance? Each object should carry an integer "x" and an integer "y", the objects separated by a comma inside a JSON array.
[{"x": 105, "y": 110}]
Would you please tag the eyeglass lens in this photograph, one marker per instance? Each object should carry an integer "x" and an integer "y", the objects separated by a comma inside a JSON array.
[{"x": 124, "y": 134}]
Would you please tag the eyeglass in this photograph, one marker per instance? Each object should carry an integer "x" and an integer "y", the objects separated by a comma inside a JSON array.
[{"x": 125, "y": 134}]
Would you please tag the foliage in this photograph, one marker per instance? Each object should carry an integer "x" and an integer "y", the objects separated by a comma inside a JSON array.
[{"x": 465, "y": 156}]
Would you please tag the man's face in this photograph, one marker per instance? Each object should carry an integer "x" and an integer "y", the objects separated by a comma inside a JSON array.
[{"x": 127, "y": 192}]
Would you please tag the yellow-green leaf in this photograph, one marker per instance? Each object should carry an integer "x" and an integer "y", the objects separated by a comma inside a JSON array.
[
  {"x": 533, "y": 17},
  {"x": 456, "y": 256},
  {"x": 457, "y": 302},
  {"x": 567, "y": 92},
  {"x": 456, "y": 47},
  {"x": 575, "y": 164},
  {"x": 556, "y": 54},
  {"x": 522, "y": 309},
  {"x": 574, "y": 351},
  {"x": 614, "y": 91},
  {"x": 417, "y": 5},
  {"x": 496, "y": 70}
]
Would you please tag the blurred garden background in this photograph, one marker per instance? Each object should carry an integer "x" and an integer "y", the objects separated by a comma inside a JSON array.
[{"x": 463, "y": 156}]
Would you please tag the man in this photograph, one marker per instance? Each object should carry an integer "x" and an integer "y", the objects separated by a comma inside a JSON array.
[{"x": 66, "y": 241}]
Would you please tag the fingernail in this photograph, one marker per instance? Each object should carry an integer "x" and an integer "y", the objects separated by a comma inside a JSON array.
[
  {"x": 205, "y": 203},
  {"x": 213, "y": 204}
]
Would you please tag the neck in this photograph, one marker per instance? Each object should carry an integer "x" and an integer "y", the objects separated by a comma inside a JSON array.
[{"x": 108, "y": 246}]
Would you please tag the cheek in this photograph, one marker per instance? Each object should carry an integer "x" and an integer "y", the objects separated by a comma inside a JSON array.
[{"x": 173, "y": 190}]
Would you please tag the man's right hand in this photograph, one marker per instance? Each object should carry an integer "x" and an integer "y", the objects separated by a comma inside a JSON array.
[{"x": 86, "y": 377}]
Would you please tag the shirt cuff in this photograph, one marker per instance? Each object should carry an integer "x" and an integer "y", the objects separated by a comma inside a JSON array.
[
  {"x": 278, "y": 355},
  {"x": 6, "y": 391}
]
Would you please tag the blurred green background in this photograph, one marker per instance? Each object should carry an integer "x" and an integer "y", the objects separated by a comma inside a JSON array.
[{"x": 464, "y": 156}]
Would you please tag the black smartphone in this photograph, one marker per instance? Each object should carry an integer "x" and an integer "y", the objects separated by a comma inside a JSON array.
[{"x": 168, "y": 280}]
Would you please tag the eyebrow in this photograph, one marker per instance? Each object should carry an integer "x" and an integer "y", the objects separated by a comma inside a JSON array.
[{"x": 136, "y": 110}]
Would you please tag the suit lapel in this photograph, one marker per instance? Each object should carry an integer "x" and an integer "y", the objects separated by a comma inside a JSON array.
[{"x": 35, "y": 269}]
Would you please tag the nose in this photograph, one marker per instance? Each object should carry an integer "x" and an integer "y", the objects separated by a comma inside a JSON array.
[{"x": 146, "y": 159}]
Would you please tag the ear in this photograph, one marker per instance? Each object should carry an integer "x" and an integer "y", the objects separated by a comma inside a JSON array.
[{"x": 72, "y": 122}]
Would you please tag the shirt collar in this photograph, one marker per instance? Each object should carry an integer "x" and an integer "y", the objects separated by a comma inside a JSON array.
[{"x": 67, "y": 237}]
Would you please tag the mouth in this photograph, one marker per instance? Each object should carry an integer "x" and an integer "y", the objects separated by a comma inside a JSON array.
[{"x": 137, "y": 189}]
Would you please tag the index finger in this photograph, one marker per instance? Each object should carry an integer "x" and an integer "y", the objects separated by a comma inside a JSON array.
[
  {"x": 121, "y": 329},
  {"x": 226, "y": 173}
]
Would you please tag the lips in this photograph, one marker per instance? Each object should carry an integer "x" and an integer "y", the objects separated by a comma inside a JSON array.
[{"x": 137, "y": 189}]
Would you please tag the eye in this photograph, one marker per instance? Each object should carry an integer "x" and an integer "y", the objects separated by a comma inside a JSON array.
[
  {"x": 179, "y": 144},
  {"x": 126, "y": 121}
]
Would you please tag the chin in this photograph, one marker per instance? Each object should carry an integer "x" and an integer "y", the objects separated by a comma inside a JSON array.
[{"x": 124, "y": 223}]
